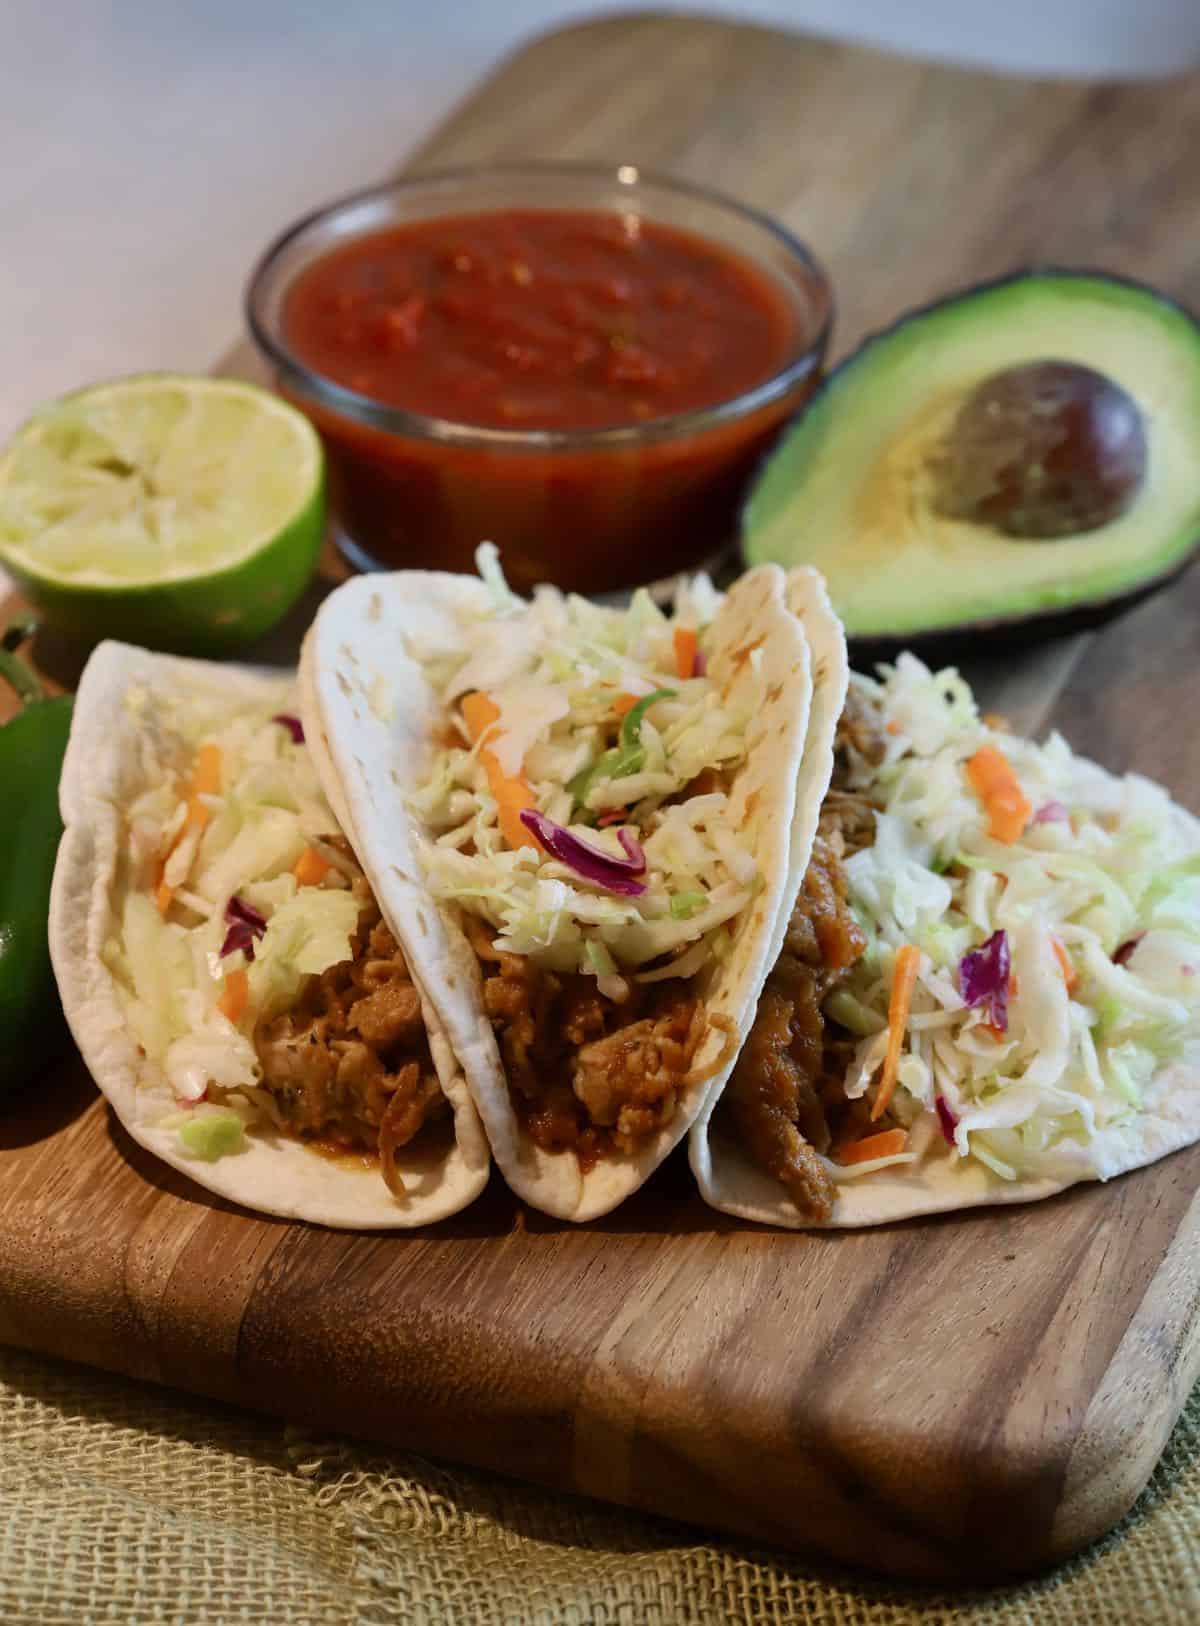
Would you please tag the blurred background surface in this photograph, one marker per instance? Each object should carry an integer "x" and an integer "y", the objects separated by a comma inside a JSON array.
[{"x": 148, "y": 151}]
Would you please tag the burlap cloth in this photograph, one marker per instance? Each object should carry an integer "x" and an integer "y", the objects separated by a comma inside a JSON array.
[{"x": 121, "y": 1503}]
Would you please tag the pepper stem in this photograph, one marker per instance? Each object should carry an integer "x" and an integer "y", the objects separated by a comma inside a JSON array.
[{"x": 13, "y": 669}]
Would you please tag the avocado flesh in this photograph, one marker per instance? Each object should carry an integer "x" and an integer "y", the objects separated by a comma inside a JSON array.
[{"x": 850, "y": 490}]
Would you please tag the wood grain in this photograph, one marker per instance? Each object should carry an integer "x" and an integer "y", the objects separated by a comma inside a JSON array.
[{"x": 955, "y": 1397}]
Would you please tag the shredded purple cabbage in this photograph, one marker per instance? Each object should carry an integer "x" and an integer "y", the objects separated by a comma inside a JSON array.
[
  {"x": 700, "y": 664},
  {"x": 245, "y": 924},
  {"x": 1051, "y": 813},
  {"x": 1125, "y": 952},
  {"x": 946, "y": 1118},
  {"x": 601, "y": 868},
  {"x": 983, "y": 978},
  {"x": 293, "y": 725}
]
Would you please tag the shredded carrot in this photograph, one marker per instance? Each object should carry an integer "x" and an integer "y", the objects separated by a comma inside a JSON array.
[
  {"x": 624, "y": 703},
  {"x": 233, "y": 996},
  {"x": 686, "y": 646},
  {"x": 205, "y": 781},
  {"x": 893, "y": 727},
  {"x": 310, "y": 869},
  {"x": 998, "y": 788},
  {"x": 884, "y": 1144},
  {"x": 908, "y": 959},
  {"x": 480, "y": 711},
  {"x": 1065, "y": 964}
]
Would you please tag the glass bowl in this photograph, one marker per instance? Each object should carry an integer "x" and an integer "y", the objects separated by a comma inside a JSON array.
[{"x": 594, "y": 509}]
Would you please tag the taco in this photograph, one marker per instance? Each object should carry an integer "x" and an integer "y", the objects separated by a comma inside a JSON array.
[
  {"x": 580, "y": 819},
  {"x": 988, "y": 986},
  {"x": 225, "y": 968}
]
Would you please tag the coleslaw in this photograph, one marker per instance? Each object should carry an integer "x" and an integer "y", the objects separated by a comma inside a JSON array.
[
  {"x": 609, "y": 742},
  {"x": 1059, "y": 971},
  {"x": 231, "y": 897}
]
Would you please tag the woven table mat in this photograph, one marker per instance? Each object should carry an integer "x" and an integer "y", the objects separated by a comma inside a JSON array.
[{"x": 121, "y": 1503}]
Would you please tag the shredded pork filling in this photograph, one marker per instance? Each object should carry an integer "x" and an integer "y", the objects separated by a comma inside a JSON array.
[
  {"x": 786, "y": 1099},
  {"x": 588, "y": 1074},
  {"x": 350, "y": 1064}
]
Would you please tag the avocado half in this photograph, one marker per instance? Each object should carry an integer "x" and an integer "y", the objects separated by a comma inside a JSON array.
[{"x": 849, "y": 488}]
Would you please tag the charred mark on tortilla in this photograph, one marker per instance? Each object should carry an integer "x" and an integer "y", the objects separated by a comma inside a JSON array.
[{"x": 743, "y": 652}]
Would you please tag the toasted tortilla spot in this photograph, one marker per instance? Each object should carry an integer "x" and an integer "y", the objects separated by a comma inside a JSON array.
[{"x": 744, "y": 651}]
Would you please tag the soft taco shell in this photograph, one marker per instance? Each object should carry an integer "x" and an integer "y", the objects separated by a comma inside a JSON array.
[
  {"x": 732, "y": 1182},
  {"x": 110, "y": 759},
  {"x": 377, "y": 715}
]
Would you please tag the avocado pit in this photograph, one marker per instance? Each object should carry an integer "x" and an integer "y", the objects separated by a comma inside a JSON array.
[{"x": 1042, "y": 450}]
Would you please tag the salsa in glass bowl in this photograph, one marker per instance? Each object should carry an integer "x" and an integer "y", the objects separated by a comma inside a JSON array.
[{"x": 580, "y": 364}]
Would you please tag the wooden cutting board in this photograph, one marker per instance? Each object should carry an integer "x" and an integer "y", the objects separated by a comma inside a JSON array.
[{"x": 951, "y": 1397}]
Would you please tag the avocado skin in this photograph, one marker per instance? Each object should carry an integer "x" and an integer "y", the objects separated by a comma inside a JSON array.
[
  {"x": 959, "y": 641},
  {"x": 956, "y": 646}
]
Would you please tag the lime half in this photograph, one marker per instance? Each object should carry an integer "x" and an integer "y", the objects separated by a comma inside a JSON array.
[{"x": 182, "y": 513}]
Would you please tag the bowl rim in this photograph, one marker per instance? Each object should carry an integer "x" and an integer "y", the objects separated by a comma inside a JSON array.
[{"x": 347, "y": 403}]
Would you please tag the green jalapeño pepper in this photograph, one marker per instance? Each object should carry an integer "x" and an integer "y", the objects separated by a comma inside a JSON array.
[{"x": 31, "y": 754}]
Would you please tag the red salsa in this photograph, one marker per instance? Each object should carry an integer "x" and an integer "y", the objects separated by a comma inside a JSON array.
[
  {"x": 540, "y": 319},
  {"x": 561, "y": 320}
]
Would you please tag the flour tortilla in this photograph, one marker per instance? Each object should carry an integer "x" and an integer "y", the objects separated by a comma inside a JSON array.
[
  {"x": 730, "y": 1181},
  {"x": 113, "y": 755},
  {"x": 370, "y": 704}
]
